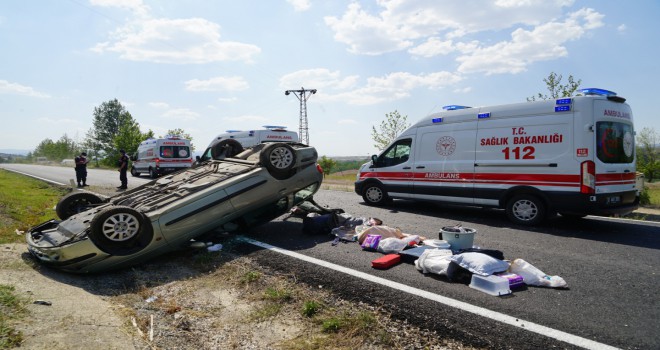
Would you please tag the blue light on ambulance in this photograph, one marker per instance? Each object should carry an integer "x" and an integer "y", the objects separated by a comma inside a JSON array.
[
  {"x": 595, "y": 91},
  {"x": 483, "y": 115},
  {"x": 565, "y": 108},
  {"x": 436, "y": 120},
  {"x": 564, "y": 101},
  {"x": 454, "y": 107}
]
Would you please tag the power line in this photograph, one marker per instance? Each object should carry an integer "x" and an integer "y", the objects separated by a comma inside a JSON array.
[{"x": 302, "y": 95}]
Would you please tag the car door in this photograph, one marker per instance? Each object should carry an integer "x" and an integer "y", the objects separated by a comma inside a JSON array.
[{"x": 393, "y": 167}]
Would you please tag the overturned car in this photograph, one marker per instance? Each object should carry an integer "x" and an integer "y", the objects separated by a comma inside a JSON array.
[{"x": 235, "y": 189}]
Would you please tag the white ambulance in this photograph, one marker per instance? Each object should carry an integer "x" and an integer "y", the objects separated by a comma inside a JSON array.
[
  {"x": 162, "y": 156},
  {"x": 573, "y": 156},
  {"x": 270, "y": 133}
]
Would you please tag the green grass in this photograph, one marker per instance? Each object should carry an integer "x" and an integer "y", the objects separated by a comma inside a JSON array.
[
  {"x": 24, "y": 202},
  {"x": 11, "y": 306},
  {"x": 653, "y": 192}
]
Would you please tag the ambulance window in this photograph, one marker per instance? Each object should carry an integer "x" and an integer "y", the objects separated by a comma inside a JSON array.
[
  {"x": 397, "y": 153},
  {"x": 175, "y": 152},
  {"x": 615, "y": 142}
]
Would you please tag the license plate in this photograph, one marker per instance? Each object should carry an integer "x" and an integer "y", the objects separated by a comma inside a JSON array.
[{"x": 613, "y": 200}]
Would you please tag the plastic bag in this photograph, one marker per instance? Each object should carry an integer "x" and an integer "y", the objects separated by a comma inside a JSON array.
[
  {"x": 391, "y": 245},
  {"x": 371, "y": 242},
  {"x": 535, "y": 277}
]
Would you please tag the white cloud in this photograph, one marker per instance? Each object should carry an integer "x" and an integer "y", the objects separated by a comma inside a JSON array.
[
  {"x": 318, "y": 78},
  {"x": 177, "y": 41},
  {"x": 347, "y": 121},
  {"x": 135, "y": 6},
  {"x": 18, "y": 89},
  {"x": 393, "y": 86},
  {"x": 401, "y": 24},
  {"x": 544, "y": 42},
  {"x": 217, "y": 84},
  {"x": 463, "y": 90},
  {"x": 181, "y": 114},
  {"x": 433, "y": 47},
  {"x": 300, "y": 5},
  {"x": 227, "y": 99},
  {"x": 622, "y": 28}
]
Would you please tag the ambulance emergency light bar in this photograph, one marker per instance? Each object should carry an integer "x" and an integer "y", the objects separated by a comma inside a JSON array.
[
  {"x": 595, "y": 91},
  {"x": 454, "y": 107}
]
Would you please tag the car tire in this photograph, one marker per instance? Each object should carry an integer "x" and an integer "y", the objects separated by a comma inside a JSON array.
[
  {"x": 525, "y": 209},
  {"x": 152, "y": 173},
  {"x": 120, "y": 230},
  {"x": 134, "y": 172},
  {"x": 279, "y": 159},
  {"x": 226, "y": 149},
  {"x": 76, "y": 202},
  {"x": 374, "y": 194}
]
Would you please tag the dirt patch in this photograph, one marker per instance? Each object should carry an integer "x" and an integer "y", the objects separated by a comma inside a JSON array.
[{"x": 195, "y": 300}]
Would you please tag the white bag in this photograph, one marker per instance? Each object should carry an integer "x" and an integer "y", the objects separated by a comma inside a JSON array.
[
  {"x": 535, "y": 277},
  {"x": 391, "y": 245}
]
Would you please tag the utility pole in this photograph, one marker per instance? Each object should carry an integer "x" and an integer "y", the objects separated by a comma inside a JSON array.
[{"x": 302, "y": 95}]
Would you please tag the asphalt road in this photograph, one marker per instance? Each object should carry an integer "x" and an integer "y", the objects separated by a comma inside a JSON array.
[{"x": 610, "y": 266}]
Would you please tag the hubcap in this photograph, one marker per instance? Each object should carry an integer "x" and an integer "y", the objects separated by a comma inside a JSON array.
[
  {"x": 281, "y": 157},
  {"x": 120, "y": 227},
  {"x": 374, "y": 194},
  {"x": 525, "y": 210}
]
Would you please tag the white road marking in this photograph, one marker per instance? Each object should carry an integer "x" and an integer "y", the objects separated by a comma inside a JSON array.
[{"x": 493, "y": 315}]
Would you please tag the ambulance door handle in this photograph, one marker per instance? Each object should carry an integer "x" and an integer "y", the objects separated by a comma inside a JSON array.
[
  {"x": 406, "y": 167},
  {"x": 420, "y": 167}
]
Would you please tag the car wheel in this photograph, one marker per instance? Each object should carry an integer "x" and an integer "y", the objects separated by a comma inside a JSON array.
[
  {"x": 226, "y": 149},
  {"x": 374, "y": 195},
  {"x": 526, "y": 210},
  {"x": 152, "y": 173},
  {"x": 120, "y": 230},
  {"x": 134, "y": 172},
  {"x": 75, "y": 203},
  {"x": 279, "y": 159}
]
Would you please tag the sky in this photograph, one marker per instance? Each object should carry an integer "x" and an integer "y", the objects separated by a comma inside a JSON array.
[{"x": 209, "y": 66}]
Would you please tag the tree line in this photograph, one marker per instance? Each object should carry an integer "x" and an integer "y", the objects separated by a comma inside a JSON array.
[{"x": 113, "y": 128}]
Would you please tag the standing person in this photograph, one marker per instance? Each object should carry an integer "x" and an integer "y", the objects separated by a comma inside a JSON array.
[
  {"x": 123, "y": 167},
  {"x": 81, "y": 169}
]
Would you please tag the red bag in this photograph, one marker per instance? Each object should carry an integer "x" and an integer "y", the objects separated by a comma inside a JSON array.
[{"x": 386, "y": 261}]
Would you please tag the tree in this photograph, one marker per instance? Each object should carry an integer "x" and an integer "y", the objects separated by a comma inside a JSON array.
[
  {"x": 108, "y": 119},
  {"x": 556, "y": 88},
  {"x": 128, "y": 138},
  {"x": 178, "y": 132},
  {"x": 63, "y": 148},
  {"x": 327, "y": 164},
  {"x": 648, "y": 155},
  {"x": 390, "y": 128}
]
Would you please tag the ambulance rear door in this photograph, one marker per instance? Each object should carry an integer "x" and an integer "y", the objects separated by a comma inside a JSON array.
[{"x": 444, "y": 157}]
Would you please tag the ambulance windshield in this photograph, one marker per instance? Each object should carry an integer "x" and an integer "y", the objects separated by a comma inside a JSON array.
[{"x": 615, "y": 142}]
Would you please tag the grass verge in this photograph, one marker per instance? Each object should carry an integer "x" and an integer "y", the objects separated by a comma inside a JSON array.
[
  {"x": 11, "y": 307},
  {"x": 24, "y": 202}
]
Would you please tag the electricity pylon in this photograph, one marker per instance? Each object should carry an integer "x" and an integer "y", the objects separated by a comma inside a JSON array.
[{"x": 302, "y": 95}]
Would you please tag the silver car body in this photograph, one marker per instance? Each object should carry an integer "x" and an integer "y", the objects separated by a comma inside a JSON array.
[{"x": 227, "y": 193}]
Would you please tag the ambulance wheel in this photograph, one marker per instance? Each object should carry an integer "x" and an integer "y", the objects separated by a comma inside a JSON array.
[
  {"x": 76, "y": 202},
  {"x": 134, "y": 172},
  {"x": 526, "y": 210},
  {"x": 120, "y": 230},
  {"x": 375, "y": 195},
  {"x": 152, "y": 173},
  {"x": 279, "y": 159}
]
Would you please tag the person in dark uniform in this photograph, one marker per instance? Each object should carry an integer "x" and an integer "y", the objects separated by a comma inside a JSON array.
[
  {"x": 123, "y": 167},
  {"x": 81, "y": 169}
]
